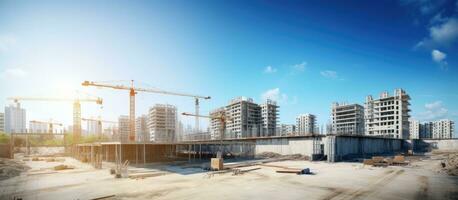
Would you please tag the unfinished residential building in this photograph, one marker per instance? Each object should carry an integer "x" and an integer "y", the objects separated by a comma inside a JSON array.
[
  {"x": 426, "y": 130},
  {"x": 94, "y": 127},
  {"x": 162, "y": 121},
  {"x": 269, "y": 115},
  {"x": 123, "y": 129},
  {"x": 347, "y": 119},
  {"x": 414, "y": 129},
  {"x": 388, "y": 116},
  {"x": 245, "y": 118},
  {"x": 38, "y": 127},
  {"x": 286, "y": 129},
  {"x": 305, "y": 124},
  {"x": 141, "y": 129},
  {"x": 443, "y": 129},
  {"x": 216, "y": 126},
  {"x": 2, "y": 122},
  {"x": 15, "y": 119}
]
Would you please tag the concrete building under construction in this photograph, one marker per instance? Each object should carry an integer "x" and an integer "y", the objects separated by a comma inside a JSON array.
[
  {"x": 162, "y": 123},
  {"x": 269, "y": 115},
  {"x": 306, "y": 124},
  {"x": 123, "y": 129},
  {"x": 347, "y": 119},
  {"x": 388, "y": 116}
]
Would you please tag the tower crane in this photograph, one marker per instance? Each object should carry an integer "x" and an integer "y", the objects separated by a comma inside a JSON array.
[
  {"x": 76, "y": 109},
  {"x": 133, "y": 91}
]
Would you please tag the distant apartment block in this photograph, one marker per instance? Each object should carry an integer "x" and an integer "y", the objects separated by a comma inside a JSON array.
[
  {"x": 15, "y": 119},
  {"x": 269, "y": 115},
  {"x": 306, "y": 124},
  {"x": 443, "y": 129},
  {"x": 94, "y": 127},
  {"x": 347, "y": 119},
  {"x": 162, "y": 121},
  {"x": 426, "y": 130},
  {"x": 141, "y": 129},
  {"x": 38, "y": 127},
  {"x": 2, "y": 122},
  {"x": 388, "y": 116},
  {"x": 414, "y": 129},
  {"x": 123, "y": 129},
  {"x": 286, "y": 129}
]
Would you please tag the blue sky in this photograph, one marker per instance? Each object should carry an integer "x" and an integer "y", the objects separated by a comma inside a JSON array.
[{"x": 305, "y": 55}]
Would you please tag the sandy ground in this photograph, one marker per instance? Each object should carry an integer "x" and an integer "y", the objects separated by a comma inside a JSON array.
[{"x": 420, "y": 180}]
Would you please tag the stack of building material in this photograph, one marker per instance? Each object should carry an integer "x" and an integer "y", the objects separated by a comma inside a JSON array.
[
  {"x": 217, "y": 164},
  {"x": 379, "y": 161}
]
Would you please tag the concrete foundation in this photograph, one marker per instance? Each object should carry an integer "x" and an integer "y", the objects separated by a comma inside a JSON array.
[{"x": 339, "y": 148}]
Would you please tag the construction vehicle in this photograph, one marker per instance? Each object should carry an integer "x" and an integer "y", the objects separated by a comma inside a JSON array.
[
  {"x": 133, "y": 91},
  {"x": 76, "y": 109}
]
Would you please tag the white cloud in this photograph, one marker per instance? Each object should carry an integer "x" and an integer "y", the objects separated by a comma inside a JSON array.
[
  {"x": 269, "y": 70},
  {"x": 434, "y": 111},
  {"x": 14, "y": 73},
  {"x": 6, "y": 42},
  {"x": 329, "y": 74},
  {"x": 300, "y": 67},
  {"x": 441, "y": 34},
  {"x": 445, "y": 33},
  {"x": 439, "y": 57},
  {"x": 275, "y": 95}
]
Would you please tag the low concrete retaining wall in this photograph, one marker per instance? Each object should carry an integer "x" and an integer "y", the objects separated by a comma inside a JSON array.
[
  {"x": 308, "y": 146},
  {"x": 427, "y": 145},
  {"x": 339, "y": 148}
]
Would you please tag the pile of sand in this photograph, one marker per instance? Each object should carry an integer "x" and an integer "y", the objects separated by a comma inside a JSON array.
[{"x": 11, "y": 168}]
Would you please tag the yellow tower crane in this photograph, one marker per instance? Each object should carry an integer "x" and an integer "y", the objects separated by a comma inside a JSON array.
[
  {"x": 133, "y": 91},
  {"x": 76, "y": 109}
]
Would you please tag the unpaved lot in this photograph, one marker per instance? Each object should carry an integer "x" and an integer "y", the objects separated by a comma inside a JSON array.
[{"x": 419, "y": 180}]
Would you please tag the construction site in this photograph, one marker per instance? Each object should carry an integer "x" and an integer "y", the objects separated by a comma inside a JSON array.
[{"x": 232, "y": 166}]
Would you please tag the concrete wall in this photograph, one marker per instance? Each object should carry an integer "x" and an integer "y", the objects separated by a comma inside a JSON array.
[
  {"x": 339, "y": 148},
  {"x": 426, "y": 145},
  {"x": 309, "y": 146}
]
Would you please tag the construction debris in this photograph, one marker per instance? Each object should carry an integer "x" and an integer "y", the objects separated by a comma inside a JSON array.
[
  {"x": 104, "y": 197},
  {"x": 10, "y": 168},
  {"x": 450, "y": 166},
  {"x": 379, "y": 161},
  {"x": 63, "y": 167},
  {"x": 295, "y": 171}
]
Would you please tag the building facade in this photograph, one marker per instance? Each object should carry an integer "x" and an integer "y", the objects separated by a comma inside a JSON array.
[
  {"x": 244, "y": 118},
  {"x": 162, "y": 121},
  {"x": 414, "y": 129},
  {"x": 286, "y": 129},
  {"x": 123, "y": 129},
  {"x": 426, "y": 130},
  {"x": 347, "y": 119},
  {"x": 94, "y": 127},
  {"x": 2, "y": 122},
  {"x": 443, "y": 129},
  {"x": 141, "y": 129},
  {"x": 269, "y": 115},
  {"x": 306, "y": 124},
  {"x": 388, "y": 116},
  {"x": 38, "y": 127},
  {"x": 15, "y": 119},
  {"x": 216, "y": 126}
]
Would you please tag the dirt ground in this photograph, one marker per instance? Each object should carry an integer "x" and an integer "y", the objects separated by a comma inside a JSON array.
[{"x": 422, "y": 179}]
